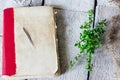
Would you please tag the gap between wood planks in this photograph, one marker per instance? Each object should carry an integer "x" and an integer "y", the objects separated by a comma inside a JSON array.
[{"x": 95, "y": 5}]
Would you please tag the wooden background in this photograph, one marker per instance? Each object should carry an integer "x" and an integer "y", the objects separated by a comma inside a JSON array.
[{"x": 70, "y": 15}]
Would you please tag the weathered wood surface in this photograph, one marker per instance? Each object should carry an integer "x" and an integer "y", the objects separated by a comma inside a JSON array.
[
  {"x": 68, "y": 22},
  {"x": 107, "y": 3},
  {"x": 1, "y": 14},
  {"x": 104, "y": 66},
  {"x": 1, "y": 24},
  {"x": 0, "y": 55},
  {"x": 18, "y": 3},
  {"x": 73, "y": 5}
]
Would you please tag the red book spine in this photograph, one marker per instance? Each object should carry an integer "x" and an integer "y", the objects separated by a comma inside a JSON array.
[{"x": 8, "y": 54}]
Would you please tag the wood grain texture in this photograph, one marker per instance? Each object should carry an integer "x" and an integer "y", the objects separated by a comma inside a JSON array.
[
  {"x": 104, "y": 65},
  {"x": 21, "y": 3},
  {"x": 74, "y": 5},
  {"x": 107, "y": 3},
  {"x": 68, "y": 23},
  {"x": 1, "y": 14},
  {"x": 0, "y": 54},
  {"x": 1, "y": 24}
]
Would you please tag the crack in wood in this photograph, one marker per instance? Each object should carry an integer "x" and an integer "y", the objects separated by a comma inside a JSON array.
[
  {"x": 30, "y": 4},
  {"x": 95, "y": 5},
  {"x": 43, "y": 2}
]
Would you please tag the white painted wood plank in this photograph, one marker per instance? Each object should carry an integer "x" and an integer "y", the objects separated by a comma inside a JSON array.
[
  {"x": 2, "y": 3},
  {"x": 106, "y": 12},
  {"x": 68, "y": 33},
  {"x": 1, "y": 23},
  {"x": 21, "y": 3},
  {"x": 104, "y": 66},
  {"x": 0, "y": 55},
  {"x": 74, "y": 5},
  {"x": 107, "y": 3}
]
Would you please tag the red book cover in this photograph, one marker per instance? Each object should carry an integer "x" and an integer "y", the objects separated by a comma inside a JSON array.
[{"x": 8, "y": 55}]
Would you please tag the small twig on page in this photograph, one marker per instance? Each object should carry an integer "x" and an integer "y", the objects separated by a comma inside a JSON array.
[{"x": 28, "y": 35}]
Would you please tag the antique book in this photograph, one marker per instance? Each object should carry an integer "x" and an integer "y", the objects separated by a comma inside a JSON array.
[{"x": 29, "y": 43}]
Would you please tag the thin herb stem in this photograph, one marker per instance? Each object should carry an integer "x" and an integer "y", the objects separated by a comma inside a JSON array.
[{"x": 89, "y": 40}]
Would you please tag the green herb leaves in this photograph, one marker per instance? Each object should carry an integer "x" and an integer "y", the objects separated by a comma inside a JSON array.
[{"x": 89, "y": 40}]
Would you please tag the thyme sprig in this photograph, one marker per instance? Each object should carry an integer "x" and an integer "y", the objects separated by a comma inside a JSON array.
[{"x": 89, "y": 40}]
